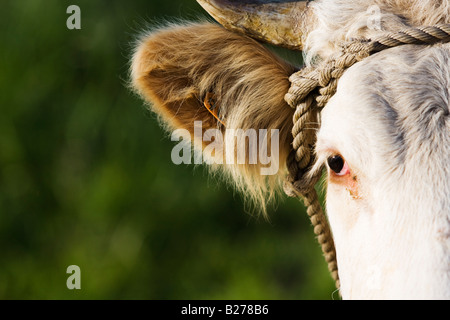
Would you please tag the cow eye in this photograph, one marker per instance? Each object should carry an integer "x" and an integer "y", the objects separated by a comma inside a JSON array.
[{"x": 337, "y": 164}]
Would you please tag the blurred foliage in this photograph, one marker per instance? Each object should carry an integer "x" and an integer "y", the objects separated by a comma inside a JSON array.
[{"x": 86, "y": 177}]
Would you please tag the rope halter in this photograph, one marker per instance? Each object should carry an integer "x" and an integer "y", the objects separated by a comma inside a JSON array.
[{"x": 310, "y": 91}]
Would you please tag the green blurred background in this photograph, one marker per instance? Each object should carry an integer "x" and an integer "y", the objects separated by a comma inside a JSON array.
[{"x": 86, "y": 177}]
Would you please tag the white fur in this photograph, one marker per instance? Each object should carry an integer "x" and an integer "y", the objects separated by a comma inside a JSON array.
[
  {"x": 390, "y": 121},
  {"x": 393, "y": 242},
  {"x": 335, "y": 21}
]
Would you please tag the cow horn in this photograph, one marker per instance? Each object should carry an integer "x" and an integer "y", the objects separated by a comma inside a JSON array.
[{"x": 271, "y": 21}]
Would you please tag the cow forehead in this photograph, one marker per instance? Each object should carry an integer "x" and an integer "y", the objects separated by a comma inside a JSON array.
[{"x": 393, "y": 103}]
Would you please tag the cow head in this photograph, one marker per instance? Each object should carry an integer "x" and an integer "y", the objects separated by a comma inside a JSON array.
[{"x": 383, "y": 138}]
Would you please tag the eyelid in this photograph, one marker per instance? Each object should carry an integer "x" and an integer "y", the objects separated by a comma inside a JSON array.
[
  {"x": 324, "y": 150},
  {"x": 345, "y": 169},
  {"x": 333, "y": 153}
]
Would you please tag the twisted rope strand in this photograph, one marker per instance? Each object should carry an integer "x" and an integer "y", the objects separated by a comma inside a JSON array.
[{"x": 424, "y": 35}]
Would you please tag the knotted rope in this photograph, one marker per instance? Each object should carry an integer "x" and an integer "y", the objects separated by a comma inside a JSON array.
[{"x": 311, "y": 89}]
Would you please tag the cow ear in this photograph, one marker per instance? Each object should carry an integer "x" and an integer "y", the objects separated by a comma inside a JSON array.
[{"x": 202, "y": 73}]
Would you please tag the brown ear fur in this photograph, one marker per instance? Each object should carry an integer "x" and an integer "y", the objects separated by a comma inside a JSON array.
[{"x": 176, "y": 67}]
